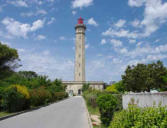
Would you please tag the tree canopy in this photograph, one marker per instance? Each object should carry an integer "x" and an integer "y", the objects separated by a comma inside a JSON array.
[
  {"x": 8, "y": 57},
  {"x": 145, "y": 77}
]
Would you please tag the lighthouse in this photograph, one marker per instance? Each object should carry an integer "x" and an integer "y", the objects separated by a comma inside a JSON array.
[
  {"x": 80, "y": 29},
  {"x": 75, "y": 87}
]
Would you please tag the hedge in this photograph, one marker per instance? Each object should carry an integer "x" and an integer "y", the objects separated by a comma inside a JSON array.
[
  {"x": 16, "y": 98},
  {"x": 135, "y": 117},
  {"x": 40, "y": 96}
]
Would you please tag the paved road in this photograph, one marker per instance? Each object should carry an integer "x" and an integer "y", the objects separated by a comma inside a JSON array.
[{"x": 70, "y": 113}]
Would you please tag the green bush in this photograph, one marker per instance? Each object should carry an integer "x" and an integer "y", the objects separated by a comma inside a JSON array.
[
  {"x": 15, "y": 98},
  {"x": 107, "y": 104},
  {"x": 91, "y": 96},
  {"x": 1, "y": 95},
  {"x": 60, "y": 95},
  {"x": 116, "y": 88},
  {"x": 135, "y": 117},
  {"x": 40, "y": 96},
  {"x": 85, "y": 87}
]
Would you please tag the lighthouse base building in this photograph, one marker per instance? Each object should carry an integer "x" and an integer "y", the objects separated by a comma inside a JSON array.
[{"x": 75, "y": 87}]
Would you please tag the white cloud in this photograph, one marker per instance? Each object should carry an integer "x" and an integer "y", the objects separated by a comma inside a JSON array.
[
  {"x": 46, "y": 64},
  {"x": 103, "y": 41},
  {"x": 91, "y": 21},
  {"x": 87, "y": 46},
  {"x": 46, "y": 52},
  {"x": 123, "y": 51},
  {"x": 136, "y": 3},
  {"x": 139, "y": 43},
  {"x": 155, "y": 14},
  {"x": 120, "y": 33},
  {"x": 74, "y": 12},
  {"x": 131, "y": 41},
  {"x": 135, "y": 23},
  {"x": 18, "y": 29},
  {"x": 116, "y": 43},
  {"x": 145, "y": 50},
  {"x": 116, "y": 61},
  {"x": 52, "y": 20},
  {"x": 21, "y": 50},
  {"x": 81, "y": 3},
  {"x": 120, "y": 23},
  {"x": 41, "y": 37},
  {"x": 62, "y": 38},
  {"x": 19, "y": 3}
]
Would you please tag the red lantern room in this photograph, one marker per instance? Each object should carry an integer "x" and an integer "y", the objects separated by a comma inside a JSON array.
[{"x": 80, "y": 21}]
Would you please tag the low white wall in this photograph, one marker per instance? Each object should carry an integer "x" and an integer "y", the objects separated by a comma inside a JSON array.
[{"x": 144, "y": 99}]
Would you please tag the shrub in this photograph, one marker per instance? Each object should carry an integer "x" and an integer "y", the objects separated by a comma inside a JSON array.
[
  {"x": 107, "y": 104},
  {"x": 40, "y": 96},
  {"x": 85, "y": 87},
  {"x": 16, "y": 98},
  {"x": 1, "y": 95},
  {"x": 116, "y": 88},
  {"x": 135, "y": 117},
  {"x": 91, "y": 96},
  {"x": 60, "y": 95}
]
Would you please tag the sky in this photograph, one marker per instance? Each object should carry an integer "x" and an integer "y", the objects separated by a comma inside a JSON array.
[{"x": 119, "y": 33}]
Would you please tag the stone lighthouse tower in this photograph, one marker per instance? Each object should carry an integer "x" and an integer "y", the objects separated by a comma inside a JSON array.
[
  {"x": 75, "y": 87},
  {"x": 80, "y": 51}
]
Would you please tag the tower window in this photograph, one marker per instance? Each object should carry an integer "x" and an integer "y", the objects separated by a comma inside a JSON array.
[
  {"x": 79, "y": 55},
  {"x": 79, "y": 74},
  {"x": 79, "y": 64}
]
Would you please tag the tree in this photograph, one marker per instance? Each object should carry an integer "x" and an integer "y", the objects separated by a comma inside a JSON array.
[
  {"x": 144, "y": 77},
  {"x": 85, "y": 87},
  {"x": 117, "y": 87},
  {"x": 28, "y": 74},
  {"x": 8, "y": 60}
]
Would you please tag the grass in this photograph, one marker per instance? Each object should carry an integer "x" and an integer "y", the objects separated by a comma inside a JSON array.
[
  {"x": 94, "y": 111},
  {"x": 5, "y": 114}
]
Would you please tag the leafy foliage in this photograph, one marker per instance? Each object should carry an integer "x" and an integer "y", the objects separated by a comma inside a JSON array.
[
  {"x": 91, "y": 96},
  {"x": 116, "y": 88},
  {"x": 144, "y": 77},
  {"x": 40, "y": 96},
  {"x": 85, "y": 87},
  {"x": 8, "y": 57},
  {"x": 134, "y": 117},
  {"x": 107, "y": 104},
  {"x": 16, "y": 98}
]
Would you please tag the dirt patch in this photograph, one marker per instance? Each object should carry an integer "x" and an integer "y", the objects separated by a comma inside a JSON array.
[{"x": 95, "y": 120}]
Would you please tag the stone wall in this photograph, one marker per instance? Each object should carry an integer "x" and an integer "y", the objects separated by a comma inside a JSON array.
[{"x": 144, "y": 99}]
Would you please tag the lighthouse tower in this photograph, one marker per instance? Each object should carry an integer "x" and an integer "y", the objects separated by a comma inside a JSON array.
[
  {"x": 80, "y": 51},
  {"x": 75, "y": 87}
]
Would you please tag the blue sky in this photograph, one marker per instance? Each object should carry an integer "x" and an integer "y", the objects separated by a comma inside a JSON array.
[{"x": 119, "y": 33}]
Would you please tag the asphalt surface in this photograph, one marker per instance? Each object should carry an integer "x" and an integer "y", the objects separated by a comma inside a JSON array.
[{"x": 70, "y": 113}]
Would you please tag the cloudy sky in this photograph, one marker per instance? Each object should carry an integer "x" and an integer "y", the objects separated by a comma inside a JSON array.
[{"x": 119, "y": 33}]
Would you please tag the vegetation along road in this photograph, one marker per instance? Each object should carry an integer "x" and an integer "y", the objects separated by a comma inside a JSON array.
[{"x": 70, "y": 113}]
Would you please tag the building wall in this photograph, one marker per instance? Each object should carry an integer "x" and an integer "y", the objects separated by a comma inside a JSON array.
[
  {"x": 75, "y": 86},
  {"x": 144, "y": 99}
]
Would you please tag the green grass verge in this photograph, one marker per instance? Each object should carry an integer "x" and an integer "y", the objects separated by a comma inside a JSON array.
[
  {"x": 94, "y": 111},
  {"x": 2, "y": 114}
]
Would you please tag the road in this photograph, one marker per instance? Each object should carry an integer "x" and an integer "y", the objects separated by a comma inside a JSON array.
[{"x": 70, "y": 113}]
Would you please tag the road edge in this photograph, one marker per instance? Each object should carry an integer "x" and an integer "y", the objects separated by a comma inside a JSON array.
[
  {"x": 29, "y": 110},
  {"x": 88, "y": 115}
]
